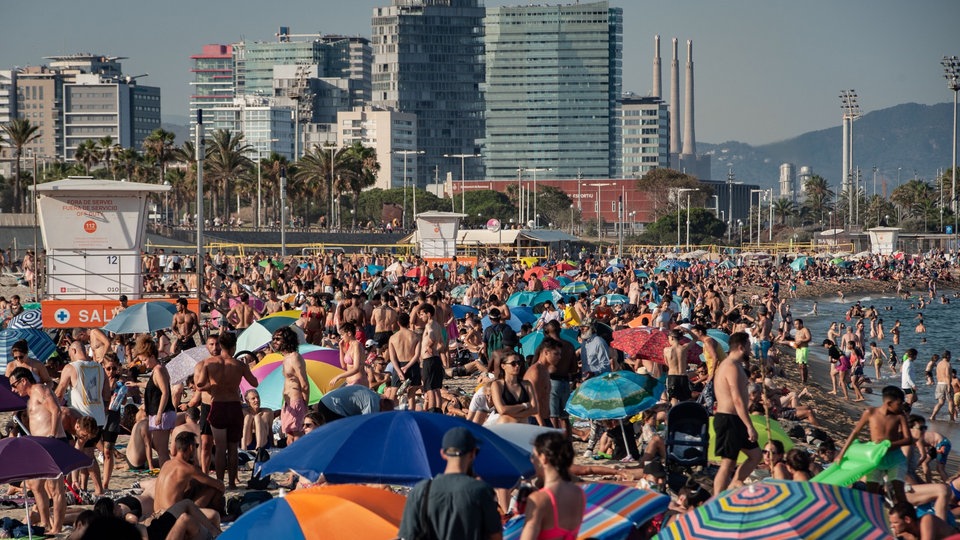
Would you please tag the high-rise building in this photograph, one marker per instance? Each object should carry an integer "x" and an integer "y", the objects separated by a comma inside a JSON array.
[
  {"x": 266, "y": 124},
  {"x": 213, "y": 79},
  {"x": 428, "y": 61},
  {"x": 95, "y": 106},
  {"x": 553, "y": 85},
  {"x": 646, "y": 135},
  {"x": 36, "y": 97},
  {"x": 387, "y": 132},
  {"x": 8, "y": 95}
]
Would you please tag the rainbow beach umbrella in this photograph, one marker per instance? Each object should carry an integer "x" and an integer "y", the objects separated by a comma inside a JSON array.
[
  {"x": 344, "y": 512},
  {"x": 612, "y": 512},
  {"x": 785, "y": 509}
]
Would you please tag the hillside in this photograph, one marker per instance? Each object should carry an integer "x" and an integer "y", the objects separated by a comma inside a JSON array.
[{"x": 915, "y": 138}]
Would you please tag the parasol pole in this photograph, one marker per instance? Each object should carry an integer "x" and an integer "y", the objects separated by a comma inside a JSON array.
[{"x": 626, "y": 444}]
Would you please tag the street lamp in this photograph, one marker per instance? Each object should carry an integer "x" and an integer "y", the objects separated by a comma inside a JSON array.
[
  {"x": 759, "y": 213},
  {"x": 166, "y": 202},
  {"x": 951, "y": 69},
  {"x": 597, "y": 205},
  {"x": 681, "y": 191},
  {"x": 535, "y": 170},
  {"x": 406, "y": 153},
  {"x": 740, "y": 226},
  {"x": 463, "y": 179}
]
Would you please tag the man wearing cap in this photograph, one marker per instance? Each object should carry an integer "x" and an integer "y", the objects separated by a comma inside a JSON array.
[{"x": 453, "y": 504}]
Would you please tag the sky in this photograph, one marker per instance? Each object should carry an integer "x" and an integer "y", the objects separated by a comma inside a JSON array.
[{"x": 765, "y": 70}]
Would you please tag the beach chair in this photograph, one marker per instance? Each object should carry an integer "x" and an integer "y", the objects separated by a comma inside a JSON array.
[{"x": 688, "y": 436}]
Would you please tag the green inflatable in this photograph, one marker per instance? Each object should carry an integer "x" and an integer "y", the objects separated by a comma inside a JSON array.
[
  {"x": 759, "y": 424},
  {"x": 859, "y": 459}
]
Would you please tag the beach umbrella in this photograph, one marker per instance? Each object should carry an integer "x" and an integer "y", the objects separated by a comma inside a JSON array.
[
  {"x": 524, "y": 313},
  {"x": 308, "y": 352},
  {"x": 800, "y": 263},
  {"x": 648, "y": 343},
  {"x": 142, "y": 318},
  {"x": 413, "y": 272},
  {"x": 564, "y": 280},
  {"x": 522, "y": 298},
  {"x": 291, "y": 314},
  {"x": 563, "y": 266},
  {"x": 612, "y": 511},
  {"x": 837, "y": 260},
  {"x": 550, "y": 283},
  {"x": 460, "y": 311},
  {"x": 459, "y": 291},
  {"x": 254, "y": 302},
  {"x": 785, "y": 509},
  {"x": 267, "y": 262},
  {"x": 727, "y": 264},
  {"x": 759, "y": 421},
  {"x": 35, "y": 458},
  {"x": 183, "y": 364},
  {"x": 613, "y": 299},
  {"x": 614, "y": 395},
  {"x": 395, "y": 448},
  {"x": 576, "y": 287},
  {"x": 345, "y": 512},
  {"x": 39, "y": 343},
  {"x": 671, "y": 265},
  {"x": 641, "y": 274},
  {"x": 531, "y": 341},
  {"x": 271, "y": 382},
  {"x": 718, "y": 334},
  {"x": 9, "y": 401},
  {"x": 613, "y": 269},
  {"x": 521, "y": 435},
  {"x": 259, "y": 334},
  {"x": 28, "y": 319},
  {"x": 513, "y": 322},
  {"x": 529, "y": 261},
  {"x": 537, "y": 271},
  {"x": 374, "y": 269},
  {"x": 546, "y": 296}
]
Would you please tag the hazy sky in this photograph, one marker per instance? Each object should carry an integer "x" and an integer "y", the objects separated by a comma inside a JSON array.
[{"x": 765, "y": 70}]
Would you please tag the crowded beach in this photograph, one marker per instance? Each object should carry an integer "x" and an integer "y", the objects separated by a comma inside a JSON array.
[{"x": 574, "y": 396}]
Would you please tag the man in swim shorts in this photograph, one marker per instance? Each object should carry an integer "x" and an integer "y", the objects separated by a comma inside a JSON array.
[
  {"x": 732, "y": 424},
  {"x": 801, "y": 342}
]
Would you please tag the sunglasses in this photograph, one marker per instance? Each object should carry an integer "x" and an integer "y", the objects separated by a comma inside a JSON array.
[
  {"x": 18, "y": 357},
  {"x": 13, "y": 384},
  {"x": 514, "y": 363},
  {"x": 309, "y": 424}
]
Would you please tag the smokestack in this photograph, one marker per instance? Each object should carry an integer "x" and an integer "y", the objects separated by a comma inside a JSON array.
[
  {"x": 689, "y": 142},
  {"x": 675, "y": 101},
  {"x": 657, "y": 83}
]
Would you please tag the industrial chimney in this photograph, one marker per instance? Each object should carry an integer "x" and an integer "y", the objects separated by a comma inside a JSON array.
[
  {"x": 674, "y": 102},
  {"x": 657, "y": 83},
  {"x": 689, "y": 140}
]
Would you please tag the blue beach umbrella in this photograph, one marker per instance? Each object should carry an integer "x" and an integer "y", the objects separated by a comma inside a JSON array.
[
  {"x": 39, "y": 343},
  {"x": 614, "y": 395},
  {"x": 613, "y": 299},
  {"x": 395, "y": 448},
  {"x": 524, "y": 298},
  {"x": 525, "y": 314},
  {"x": 141, "y": 318},
  {"x": 513, "y": 322},
  {"x": 459, "y": 291},
  {"x": 800, "y": 263},
  {"x": 460, "y": 311},
  {"x": 531, "y": 341},
  {"x": 641, "y": 274},
  {"x": 30, "y": 318}
]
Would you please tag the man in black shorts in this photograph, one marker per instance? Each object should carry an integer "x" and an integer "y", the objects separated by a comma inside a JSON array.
[
  {"x": 734, "y": 429},
  {"x": 431, "y": 346},
  {"x": 403, "y": 353},
  {"x": 678, "y": 387}
]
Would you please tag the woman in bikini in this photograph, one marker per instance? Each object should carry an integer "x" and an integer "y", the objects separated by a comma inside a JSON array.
[
  {"x": 351, "y": 358},
  {"x": 513, "y": 397},
  {"x": 555, "y": 511},
  {"x": 315, "y": 320}
]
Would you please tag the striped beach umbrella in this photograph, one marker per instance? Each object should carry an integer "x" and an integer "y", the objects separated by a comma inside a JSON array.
[
  {"x": 785, "y": 509},
  {"x": 613, "y": 299},
  {"x": 342, "y": 512},
  {"x": 576, "y": 287},
  {"x": 612, "y": 511},
  {"x": 40, "y": 344},
  {"x": 614, "y": 395},
  {"x": 28, "y": 319},
  {"x": 258, "y": 335}
]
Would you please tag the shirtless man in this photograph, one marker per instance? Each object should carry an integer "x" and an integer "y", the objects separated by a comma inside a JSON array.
[
  {"x": 19, "y": 358},
  {"x": 801, "y": 342},
  {"x": 764, "y": 331},
  {"x": 185, "y": 325},
  {"x": 734, "y": 429},
  {"x": 352, "y": 312},
  {"x": 712, "y": 355},
  {"x": 538, "y": 375},
  {"x": 273, "y": 303},
  {"x": 559, "y": 364},
  {"x": 296, "y": 389},
  {"x": 241, "y": 315},
  {"x": 44, "y": 418},
  {"x": 943, "y": 391},
  {"x": 431, "y": 347},
  {"x": 402, "y": 349},
  {"x": 220, "y": 376},
  {"x": 185, "y": 499},
  {"x": 675, "y": 356},
  {"x": 384, "y": 320}
]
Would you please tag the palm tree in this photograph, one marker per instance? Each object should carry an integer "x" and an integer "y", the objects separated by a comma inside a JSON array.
[
  {"x": 315, "y": 175},
  {"x": 109, "y": 149},
  {"x": 363, "y": 173},
  {"x": 784, "y": 208},
  {"x": 226, "y": 162},
  {"x": 270, "y": 183},
  {"x": 87, "y": 154},
  {"x": 126, "y": 160},
  {"x": 158, "y": 147},
  {"x": 818, "y": 196},
  {"x": 18, "y": 133}
]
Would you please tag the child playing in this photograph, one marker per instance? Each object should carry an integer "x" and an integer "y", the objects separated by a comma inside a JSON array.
[{"x": 887, "y": 423}]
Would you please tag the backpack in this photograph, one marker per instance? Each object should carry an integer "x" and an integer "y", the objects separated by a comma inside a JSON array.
[
  {"x": 257, "y": 481},
  {"x": 237, "y": 506},
  {"x": 495, "y": 341}
]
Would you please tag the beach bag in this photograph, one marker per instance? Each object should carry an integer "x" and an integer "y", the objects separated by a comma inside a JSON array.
[
  {"x": 257, "y": 481},
  {"x": 237, "y": 506}
]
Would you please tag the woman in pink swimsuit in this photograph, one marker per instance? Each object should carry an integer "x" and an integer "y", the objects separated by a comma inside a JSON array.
[
  {"x": 556, "y": 510},
  {"x": 351, "y": 357}
]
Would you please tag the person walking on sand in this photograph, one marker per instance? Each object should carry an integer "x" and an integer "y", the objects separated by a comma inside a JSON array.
[
  {"x": 296, "y": 389},
  {"x": 943, "y": 392},
  {"x": 906, "y": 376},
  {"x": 734, "y": 429},
  {"x": 801, "y": 343},
  {"x": 221, "y": 376}
]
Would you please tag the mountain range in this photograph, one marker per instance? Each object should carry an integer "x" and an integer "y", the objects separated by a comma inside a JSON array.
[{"x": 910, "y": 139}]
